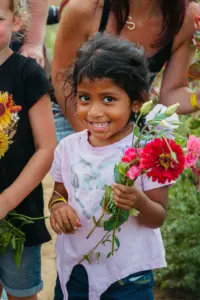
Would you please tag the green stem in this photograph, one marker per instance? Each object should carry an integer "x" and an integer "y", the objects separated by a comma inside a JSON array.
[
  {"x": 89, "y": 253},
  {"x": 13, "y": 228},
  {"x": 26, "y": 217},
  {"x": 114, "y": 231},
  {"x": 136, "y": 123},
  {"x": 95, "y": 226}
]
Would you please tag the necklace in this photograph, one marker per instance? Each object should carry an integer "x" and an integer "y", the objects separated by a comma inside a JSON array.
[{"x": 132, "y": 25}]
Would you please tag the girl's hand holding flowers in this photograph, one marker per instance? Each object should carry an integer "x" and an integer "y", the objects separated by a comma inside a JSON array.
[
  {"x": 64, "y": 218},
  {"x": 125, "y": 197}
]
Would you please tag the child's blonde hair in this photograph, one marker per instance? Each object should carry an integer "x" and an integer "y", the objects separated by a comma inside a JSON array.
[{"x": 18, "y": 7}]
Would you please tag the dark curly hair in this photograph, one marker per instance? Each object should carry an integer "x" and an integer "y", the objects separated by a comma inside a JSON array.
[{"x": 106, "y": 56}]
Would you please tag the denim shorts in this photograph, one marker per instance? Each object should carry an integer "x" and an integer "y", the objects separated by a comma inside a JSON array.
[
  {"x": 138, "y": 286},
  {"x": 63, "y": 128},
  {"x": 25, "y": 281}
]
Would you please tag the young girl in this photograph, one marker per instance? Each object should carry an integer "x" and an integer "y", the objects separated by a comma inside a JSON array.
[
  {"x": 27, "y": 142},
  {"x": 110, "y": 79}
]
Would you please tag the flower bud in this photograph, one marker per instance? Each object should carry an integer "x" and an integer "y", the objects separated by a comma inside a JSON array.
[
  {"x": 172, "y": 109},
  {"x": 163, "y": 123},
  {"x": 146, "y": 107}
]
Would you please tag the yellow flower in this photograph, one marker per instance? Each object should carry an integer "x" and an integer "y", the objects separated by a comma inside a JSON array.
[
  {"x": 5, "y": 113},
  {"x": 4, "y": 143}
]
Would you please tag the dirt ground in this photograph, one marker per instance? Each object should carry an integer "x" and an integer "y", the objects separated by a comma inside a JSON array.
[{"x": 48, "y": 253}]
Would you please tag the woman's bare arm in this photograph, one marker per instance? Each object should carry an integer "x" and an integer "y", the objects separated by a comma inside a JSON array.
[
  {"x": 33, "y": 41},
  {"x": 74, "y": 29},
  {"x": 175, "y": 85}
]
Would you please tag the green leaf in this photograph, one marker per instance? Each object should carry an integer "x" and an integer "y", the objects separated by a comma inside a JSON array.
[
  {"x": 116, "y": 220},
  {"x": 106, "y": 199},
  {"x": 136, "y": 131},
  {"x": 109, "y": 254},
  {"x": 13, "y": 242},
  {"x": 134, "y": 212},
  {"x": 194, "y": 124},
  {"x": 18, "y": 252},
  {"x": 117, "y": 242},
  {"x": 159, "y": 117},
  {"x": 118, "y": 176},
  {"x": 87, "y": 257}
]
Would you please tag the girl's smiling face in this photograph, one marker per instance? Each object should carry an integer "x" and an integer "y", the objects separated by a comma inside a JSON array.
[
  {"x": 8, "y": 24},
  {"x": 105, "y": 110}
]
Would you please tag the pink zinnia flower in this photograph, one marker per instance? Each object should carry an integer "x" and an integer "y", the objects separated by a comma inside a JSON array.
[
  {"x": 193, "y": 151},
  {"x": 131, "y": 154},
  {"x": 133, "y": 172}
]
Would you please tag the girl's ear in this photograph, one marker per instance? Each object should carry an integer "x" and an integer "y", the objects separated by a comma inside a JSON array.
[
  {"x": 17, "y": 24},
  {"x": 137, "y": 104}
]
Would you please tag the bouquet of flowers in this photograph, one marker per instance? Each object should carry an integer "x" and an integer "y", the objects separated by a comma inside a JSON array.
[{"x": 154, "y": 154}]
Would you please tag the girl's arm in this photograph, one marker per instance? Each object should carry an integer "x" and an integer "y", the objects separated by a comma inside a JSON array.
[
  {"x": 152, "y": 204},
  {"x": 74, "y": 29},
  {"x": 42, "y": 124},
  {"x": 175, "y": 86},
  {"x": 33, "y": 42},
  {"x": 63, "y": 217}
]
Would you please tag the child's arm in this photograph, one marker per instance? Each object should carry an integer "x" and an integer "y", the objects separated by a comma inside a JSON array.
[
  {"x": 63, "y": 217},
  {"x": 42, "y": 124},
  {"x": 152, "y": 204}
]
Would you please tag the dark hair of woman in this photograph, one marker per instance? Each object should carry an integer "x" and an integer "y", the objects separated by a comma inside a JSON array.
[
  {"x": 106, "y": 56},
  {"x": 173, "y": 12}
]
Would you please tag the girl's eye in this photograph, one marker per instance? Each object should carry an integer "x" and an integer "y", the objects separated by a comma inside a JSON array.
[
  {"x": 109, "y": 99},
  {"x": 84, "y": 98}
]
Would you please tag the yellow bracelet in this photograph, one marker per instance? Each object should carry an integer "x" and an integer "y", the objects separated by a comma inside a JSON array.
[
  {"x": 193, "y": 100},
  {"x": 56, "y": 201}
]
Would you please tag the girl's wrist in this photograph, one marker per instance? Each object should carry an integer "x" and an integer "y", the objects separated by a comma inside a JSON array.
[
  {"x": 141, "y": 200},
  {"x": 55, "y": 201}
]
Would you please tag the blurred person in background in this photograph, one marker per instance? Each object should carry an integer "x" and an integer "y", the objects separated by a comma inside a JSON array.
[
  {"x": 31, "y": 44},
  {"x": 167, "y": 42}
]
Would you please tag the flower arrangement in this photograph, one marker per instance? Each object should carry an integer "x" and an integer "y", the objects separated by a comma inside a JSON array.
[{"x": 154, "y": 154}]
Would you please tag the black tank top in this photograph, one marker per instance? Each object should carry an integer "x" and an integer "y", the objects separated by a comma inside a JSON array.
[{"x": 157, "y": 61}]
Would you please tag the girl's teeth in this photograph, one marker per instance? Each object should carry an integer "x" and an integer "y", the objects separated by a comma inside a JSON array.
[{"x": 100, "y": 125}]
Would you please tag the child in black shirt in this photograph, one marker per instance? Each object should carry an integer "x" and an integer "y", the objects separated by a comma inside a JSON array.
[{"x": 27, "y": 142}]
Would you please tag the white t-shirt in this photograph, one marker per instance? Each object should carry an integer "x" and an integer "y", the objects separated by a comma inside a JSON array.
[{"x": 84, "y": 170}]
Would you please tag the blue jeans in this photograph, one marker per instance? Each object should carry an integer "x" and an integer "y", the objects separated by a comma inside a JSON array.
[
  {"x": 63, "y": 128},
  {"x": 25, "y": 281},
  {"x": 129, "y": 288}
]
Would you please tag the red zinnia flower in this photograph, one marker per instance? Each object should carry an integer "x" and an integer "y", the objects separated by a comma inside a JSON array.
[{"x": 158, "y": 162}]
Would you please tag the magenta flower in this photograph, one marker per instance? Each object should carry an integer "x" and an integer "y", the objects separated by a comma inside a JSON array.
[
  {"x": 193, "y": 151},
  {"x": 131, "y": 154},
  {"x": 133, "y": 172}
]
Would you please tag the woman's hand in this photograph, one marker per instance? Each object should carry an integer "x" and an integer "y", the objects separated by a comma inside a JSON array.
[
  {"x": 34, "y": 51},
  {"x": 85, "y": 8},
  {"x": 64, "y": 218},
  {"x": 125, "y": 197}
]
